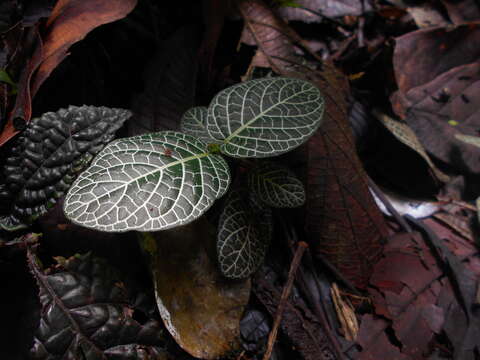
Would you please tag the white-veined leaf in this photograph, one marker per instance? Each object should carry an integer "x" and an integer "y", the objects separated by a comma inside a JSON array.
[
  {"x": 193, "y": 123},
  {"x": 277, "y": 186},
  {"x": 243, "y": 236},
  {"x": 147, "y": 183},
  {"x": 265, "y": 117}
]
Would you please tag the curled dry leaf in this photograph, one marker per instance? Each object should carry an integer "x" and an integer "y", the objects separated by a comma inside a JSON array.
[
  {"x": 342, "y": 219},
  {"x": 69, "y": 22},
  {"x": 345, "y": 313},
  {"x": 86, "y": 312},
  {"x": 407, "y": 136},
  {"x": 200, "y": 308}
]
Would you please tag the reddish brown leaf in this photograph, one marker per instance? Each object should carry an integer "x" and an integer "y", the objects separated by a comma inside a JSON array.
[
  {"x": 422, "y": 55},
  {"x": 462, "y": 11},
  {"x": 69, "y": 22},
  {"x": 342, "y": 219},
  {"x": 374, "y": 341},
  {"x": 412, "y": 288},
  {"x": 439, "y": 84}
]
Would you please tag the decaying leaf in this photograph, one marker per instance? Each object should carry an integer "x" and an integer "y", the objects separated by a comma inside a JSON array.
[
  {"x": 343, "y": 221},
  {"x": 86, "y": 312},
  {"x": 406, "y": 135},
  {"x": 345, "y": 313},
  {"x": 200, "y": 308},
  {"x": 298, "y": 322},
  {"x": 170, "y": 83},
  {"x": 423, "y": 290},
  {"x": 316, "y": 10},
  {"x": 69, "y": 22},
  {"x": 437, "y": 72}
]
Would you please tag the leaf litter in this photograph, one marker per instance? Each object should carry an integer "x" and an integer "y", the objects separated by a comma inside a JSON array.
[{"x": 411, "y": 285}]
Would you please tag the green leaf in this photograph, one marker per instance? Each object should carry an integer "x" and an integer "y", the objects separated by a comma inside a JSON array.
[
  {"x": 277, "y": 186},
  {"x": 243, "y": 236},
  {"x": 472, "y": 140},
  {"x": 193, "y": 123},
  {"x": 265, "y": 117},
  {"x": 4, "y": 77},
  {"x": 49, "y": 155},
  {"x": 147, "y": 183}
]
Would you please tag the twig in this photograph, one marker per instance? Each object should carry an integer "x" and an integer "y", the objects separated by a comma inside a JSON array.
[{"x": 283, "y": 299}]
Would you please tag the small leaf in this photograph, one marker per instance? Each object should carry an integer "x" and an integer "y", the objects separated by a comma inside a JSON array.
[
  {"x": 265, "y": 117},
  {"x": 147, "y": 183},
  {"x": 193, "y": 123},
  {"x": 85, "y": 310},
  {"x": 472, "y": 140},
  {"x": 48, "y": 156},
  {"x": 243, "y": 237},
  {"x": 277, "y": 186}
]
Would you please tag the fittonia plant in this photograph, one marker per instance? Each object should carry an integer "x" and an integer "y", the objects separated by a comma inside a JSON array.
[{"x": 167, "y": 179}]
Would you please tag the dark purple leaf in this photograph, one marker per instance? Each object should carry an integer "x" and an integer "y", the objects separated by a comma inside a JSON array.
[{"x": 86, "y": 312}]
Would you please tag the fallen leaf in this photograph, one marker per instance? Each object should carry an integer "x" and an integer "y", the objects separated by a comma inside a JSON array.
[
  {"x": 300, "y": 325},
  {"x": 200, "y": 308},
  {"x": 170, "y": 83},
  {"x": 374, "y": 342},
  {"x": 345, "y": 313},
  {"x": 423, "y": 291},
  {"x": 342, "y": 220},
  {"x": 420, "y": 56},
  {"x": 429, "y": 117},
  {"x": 69, "y": 22},
  {"x": 315, "y": 10},
  {"x": 407, "y": 136},
  {"x": 462, "y": 11}
]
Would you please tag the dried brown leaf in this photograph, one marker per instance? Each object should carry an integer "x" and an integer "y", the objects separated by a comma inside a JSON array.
[
  {"x": 342, "y": 219},
  {"x": 408, "y": 137},
  {"x": 69, "y": 22},
  {"x": 438, "y": 76}
]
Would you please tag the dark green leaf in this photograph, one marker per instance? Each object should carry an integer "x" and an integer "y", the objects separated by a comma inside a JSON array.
[
  {"x": 49, "y": 155},
  {"x": 276, "y": 186},
  {"x": 86, "y": 312},
  {"x": 243, "y": 236},
  {"x": 265, "y": 117}
]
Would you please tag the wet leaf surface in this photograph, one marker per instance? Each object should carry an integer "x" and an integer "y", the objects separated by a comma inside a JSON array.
[
  {"x": 200, "y": 308},
  {"x": 50, "y": 154},
  {"x": 86, "y": 311}
]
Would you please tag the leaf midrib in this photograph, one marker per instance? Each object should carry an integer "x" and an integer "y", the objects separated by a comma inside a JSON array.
[{"x": 244, "y": 126}]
